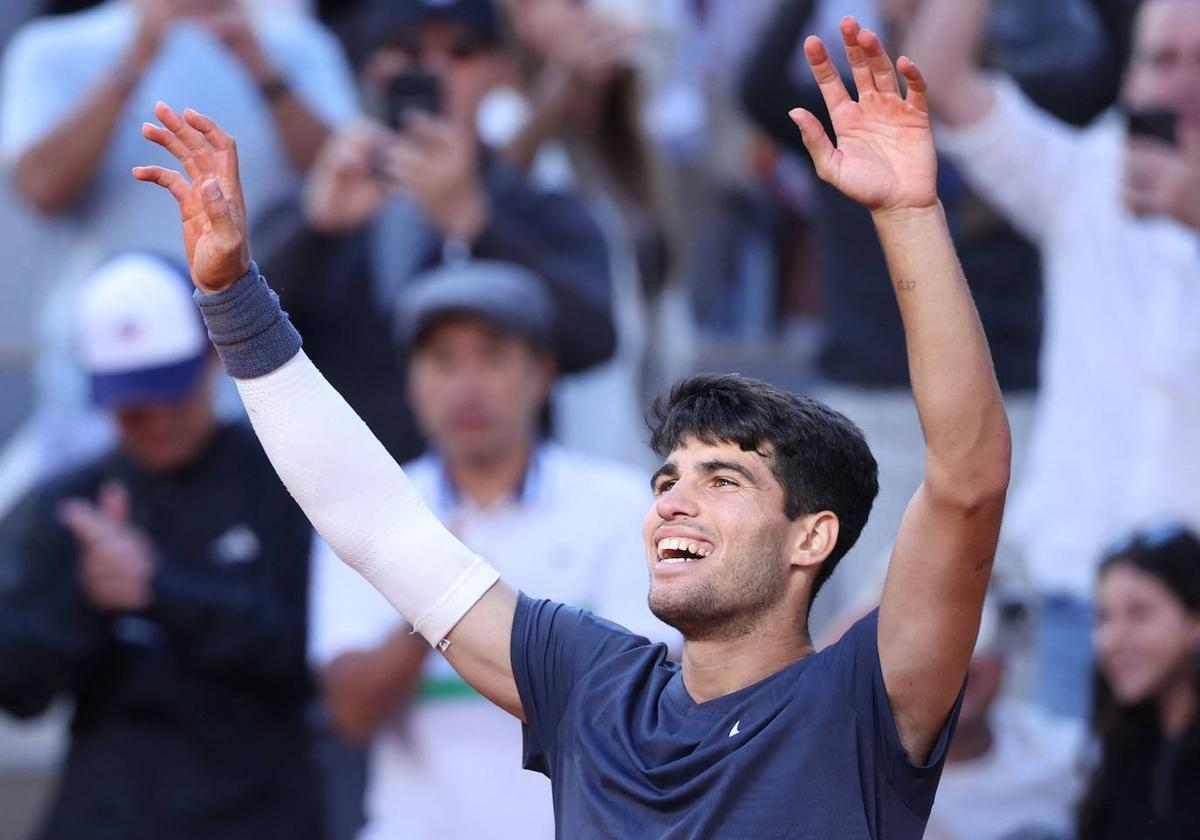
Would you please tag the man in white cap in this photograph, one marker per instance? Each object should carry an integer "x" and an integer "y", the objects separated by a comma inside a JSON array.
[
  {"x": 481, "y": 363},
  {"x": 164, "y": 588}
]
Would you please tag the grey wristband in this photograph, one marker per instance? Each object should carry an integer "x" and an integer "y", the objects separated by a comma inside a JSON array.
[{"x": 252, "y": 334}]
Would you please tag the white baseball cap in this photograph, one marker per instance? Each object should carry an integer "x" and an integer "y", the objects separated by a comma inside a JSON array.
[{"x": 138, "y": 332}]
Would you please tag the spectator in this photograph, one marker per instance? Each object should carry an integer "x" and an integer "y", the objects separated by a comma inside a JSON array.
[
  {"x": 1147, "y": 782},
  {"x": 1013, "y": 771},
  {"x": 163, "y": 587},
  {"x": 386, "y": 201},
  {"x": 279, "y": 81},
  {"x": 481, "y": 366},
  {"x": 582, "y": 105},
  {"x": 1117, "y": 440},
  {"x": 862, "y": 361}
]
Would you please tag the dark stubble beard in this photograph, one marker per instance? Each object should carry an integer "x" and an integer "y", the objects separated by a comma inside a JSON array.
[{"x": 730, "y": 604}]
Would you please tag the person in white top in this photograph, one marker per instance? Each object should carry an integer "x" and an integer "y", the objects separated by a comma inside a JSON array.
[
  {"x": 443, "y": 760},
  {"x": 1115, "y": 209},
  {"x": 1013, "y": 771},
  {"x": 74, "y": 92}
]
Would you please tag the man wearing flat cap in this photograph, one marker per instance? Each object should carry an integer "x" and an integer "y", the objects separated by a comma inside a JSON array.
[{"x": 480, "y": 339}]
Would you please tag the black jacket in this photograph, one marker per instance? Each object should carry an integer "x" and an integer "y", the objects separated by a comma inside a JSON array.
[{"x": 190, "y": 717}]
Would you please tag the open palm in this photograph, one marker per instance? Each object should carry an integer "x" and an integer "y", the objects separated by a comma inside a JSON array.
[
  {"x": 884, "y": 157},
  {"x": 211, "y": 205}
]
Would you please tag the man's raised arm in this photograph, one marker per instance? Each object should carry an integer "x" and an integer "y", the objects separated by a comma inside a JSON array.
[
  {"x": 353, "y": 492},
  {"x": 941, "y": 563}
]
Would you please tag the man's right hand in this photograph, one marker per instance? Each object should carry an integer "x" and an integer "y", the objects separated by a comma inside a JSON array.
[{"x": 211, "y": 205}]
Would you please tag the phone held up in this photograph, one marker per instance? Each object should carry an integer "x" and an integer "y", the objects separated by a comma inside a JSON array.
[
  {"x": 414, "y": 91},
  {"x": 1161, "y": 125}
]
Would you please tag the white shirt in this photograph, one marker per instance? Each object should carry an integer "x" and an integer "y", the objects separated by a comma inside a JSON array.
[
  {"x": 1026, "y": 786},
  {"x": 450, "y": 765},
  {"x": 1116, "y": 439},
  {"x": 53, "y": 63}
]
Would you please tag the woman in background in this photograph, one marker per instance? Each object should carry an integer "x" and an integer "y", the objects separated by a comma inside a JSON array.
[{"x": 1147, "y": 710}]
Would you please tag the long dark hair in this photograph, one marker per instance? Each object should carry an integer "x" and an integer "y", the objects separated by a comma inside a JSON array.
[{"x": 1171, "y": 554}]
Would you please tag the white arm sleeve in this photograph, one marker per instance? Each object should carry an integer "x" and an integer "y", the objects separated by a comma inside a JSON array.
[{"x": 360, "y": 501}]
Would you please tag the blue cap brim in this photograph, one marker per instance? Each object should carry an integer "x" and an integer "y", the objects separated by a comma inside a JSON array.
[{"x": 149, "y": 386}]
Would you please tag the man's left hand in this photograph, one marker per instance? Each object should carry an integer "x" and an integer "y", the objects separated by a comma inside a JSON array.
[
  {"x": 116, "y": 558},
  {"x": 437, "y": 164},
  {"x": 1163, "y": 180},
  {"x": 884, "y": 158}
]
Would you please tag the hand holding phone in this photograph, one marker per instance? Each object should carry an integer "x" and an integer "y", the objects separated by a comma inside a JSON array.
[{"x": 414, "y": 91}]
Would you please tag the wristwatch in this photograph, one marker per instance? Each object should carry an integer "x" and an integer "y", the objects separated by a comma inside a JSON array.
[{"x": 273, "y": 88}]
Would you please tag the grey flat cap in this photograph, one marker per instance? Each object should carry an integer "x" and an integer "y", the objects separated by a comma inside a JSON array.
[{"x": 514, "y": 299}]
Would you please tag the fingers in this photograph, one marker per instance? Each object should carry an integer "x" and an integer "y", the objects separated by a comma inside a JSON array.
[
  {"x": 213, "y": 133},
  {"x": 819, "y": 146},
  {"x": 114, "y": 501},
  {"x": 158, "y": 134},
  {"x": 178, "y": 126},
  {"x": 833, "y": 89},
  {"x": 220, "y": 214},
  {"x": 169, "y": 179},
  {"x": 83, "y": 520},
  {"x": 431, "y": 133},
  {"x": 882, "y": 73},
  {"x": 918, "y": 90},
  {"x": 224, "y": 149},
  {"x": 864, "y": 79}
]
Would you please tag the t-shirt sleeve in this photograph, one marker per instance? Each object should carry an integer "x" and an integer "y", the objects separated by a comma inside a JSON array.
[
  {"x": 553, "y": 646},
  {"x": 858, "y": 663}
]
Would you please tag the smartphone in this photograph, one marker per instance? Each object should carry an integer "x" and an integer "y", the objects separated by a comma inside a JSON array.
[
  {"x": 411, "y": 92},
  {"x": 1158, "y": 125}
]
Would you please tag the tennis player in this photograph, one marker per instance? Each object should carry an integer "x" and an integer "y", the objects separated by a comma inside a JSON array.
[{"x": 760, "y": 492}]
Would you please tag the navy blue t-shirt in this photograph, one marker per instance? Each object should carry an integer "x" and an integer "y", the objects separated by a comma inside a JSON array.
[{"x": 809, "y": 752}]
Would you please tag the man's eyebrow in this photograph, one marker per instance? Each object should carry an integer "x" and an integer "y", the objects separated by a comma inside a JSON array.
[
  {"x": 668, "y": 469},
  {"x": 709, "y": 467}
]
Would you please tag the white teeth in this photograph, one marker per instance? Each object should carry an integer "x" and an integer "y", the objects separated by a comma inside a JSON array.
[{"x": 681, "y": 544}]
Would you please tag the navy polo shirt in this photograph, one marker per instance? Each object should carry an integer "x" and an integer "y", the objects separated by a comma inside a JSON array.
[{"x": 809, "y": 752}]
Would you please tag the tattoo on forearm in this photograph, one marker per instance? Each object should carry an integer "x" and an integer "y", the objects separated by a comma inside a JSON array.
[
  {"x": 906, "y": 285},
  {"x": 983, "y": 564}
]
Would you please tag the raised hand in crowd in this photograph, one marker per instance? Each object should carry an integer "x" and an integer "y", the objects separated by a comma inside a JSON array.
[
  {"x": 581, "y": 53},
  {"x": 116, "y": 558},
  {"x": 436, "y": 163},
  {"x": 1164, "y": 180},
  {"x": 345, "y": 188},
  {"x": 433, "y": 161}
]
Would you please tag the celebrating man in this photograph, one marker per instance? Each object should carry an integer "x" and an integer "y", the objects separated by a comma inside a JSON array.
[{"x": 760, "y": 493}]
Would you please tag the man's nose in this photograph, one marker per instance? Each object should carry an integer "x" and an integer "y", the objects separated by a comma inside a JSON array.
[{"x": 679, "y": 501}]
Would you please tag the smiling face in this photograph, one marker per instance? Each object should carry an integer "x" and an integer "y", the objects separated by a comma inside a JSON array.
[
  {"x": 718, "y": 543},
  {"x": 1146, "y": 639}
]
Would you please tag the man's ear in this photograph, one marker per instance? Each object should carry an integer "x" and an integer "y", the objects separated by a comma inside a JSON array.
[{"x": 813, "y": 538}]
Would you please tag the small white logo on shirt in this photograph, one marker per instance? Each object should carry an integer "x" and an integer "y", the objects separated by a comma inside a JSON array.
[
  {"x": 735, "y": 729},
  {"x": 237, "y": 545}
]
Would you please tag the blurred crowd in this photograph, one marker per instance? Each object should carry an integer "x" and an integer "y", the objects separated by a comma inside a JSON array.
[{"x": 502, "y": 227}]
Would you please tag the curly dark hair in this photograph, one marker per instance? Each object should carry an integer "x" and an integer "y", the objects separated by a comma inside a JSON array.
[{"x": 819, "y": 457}]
